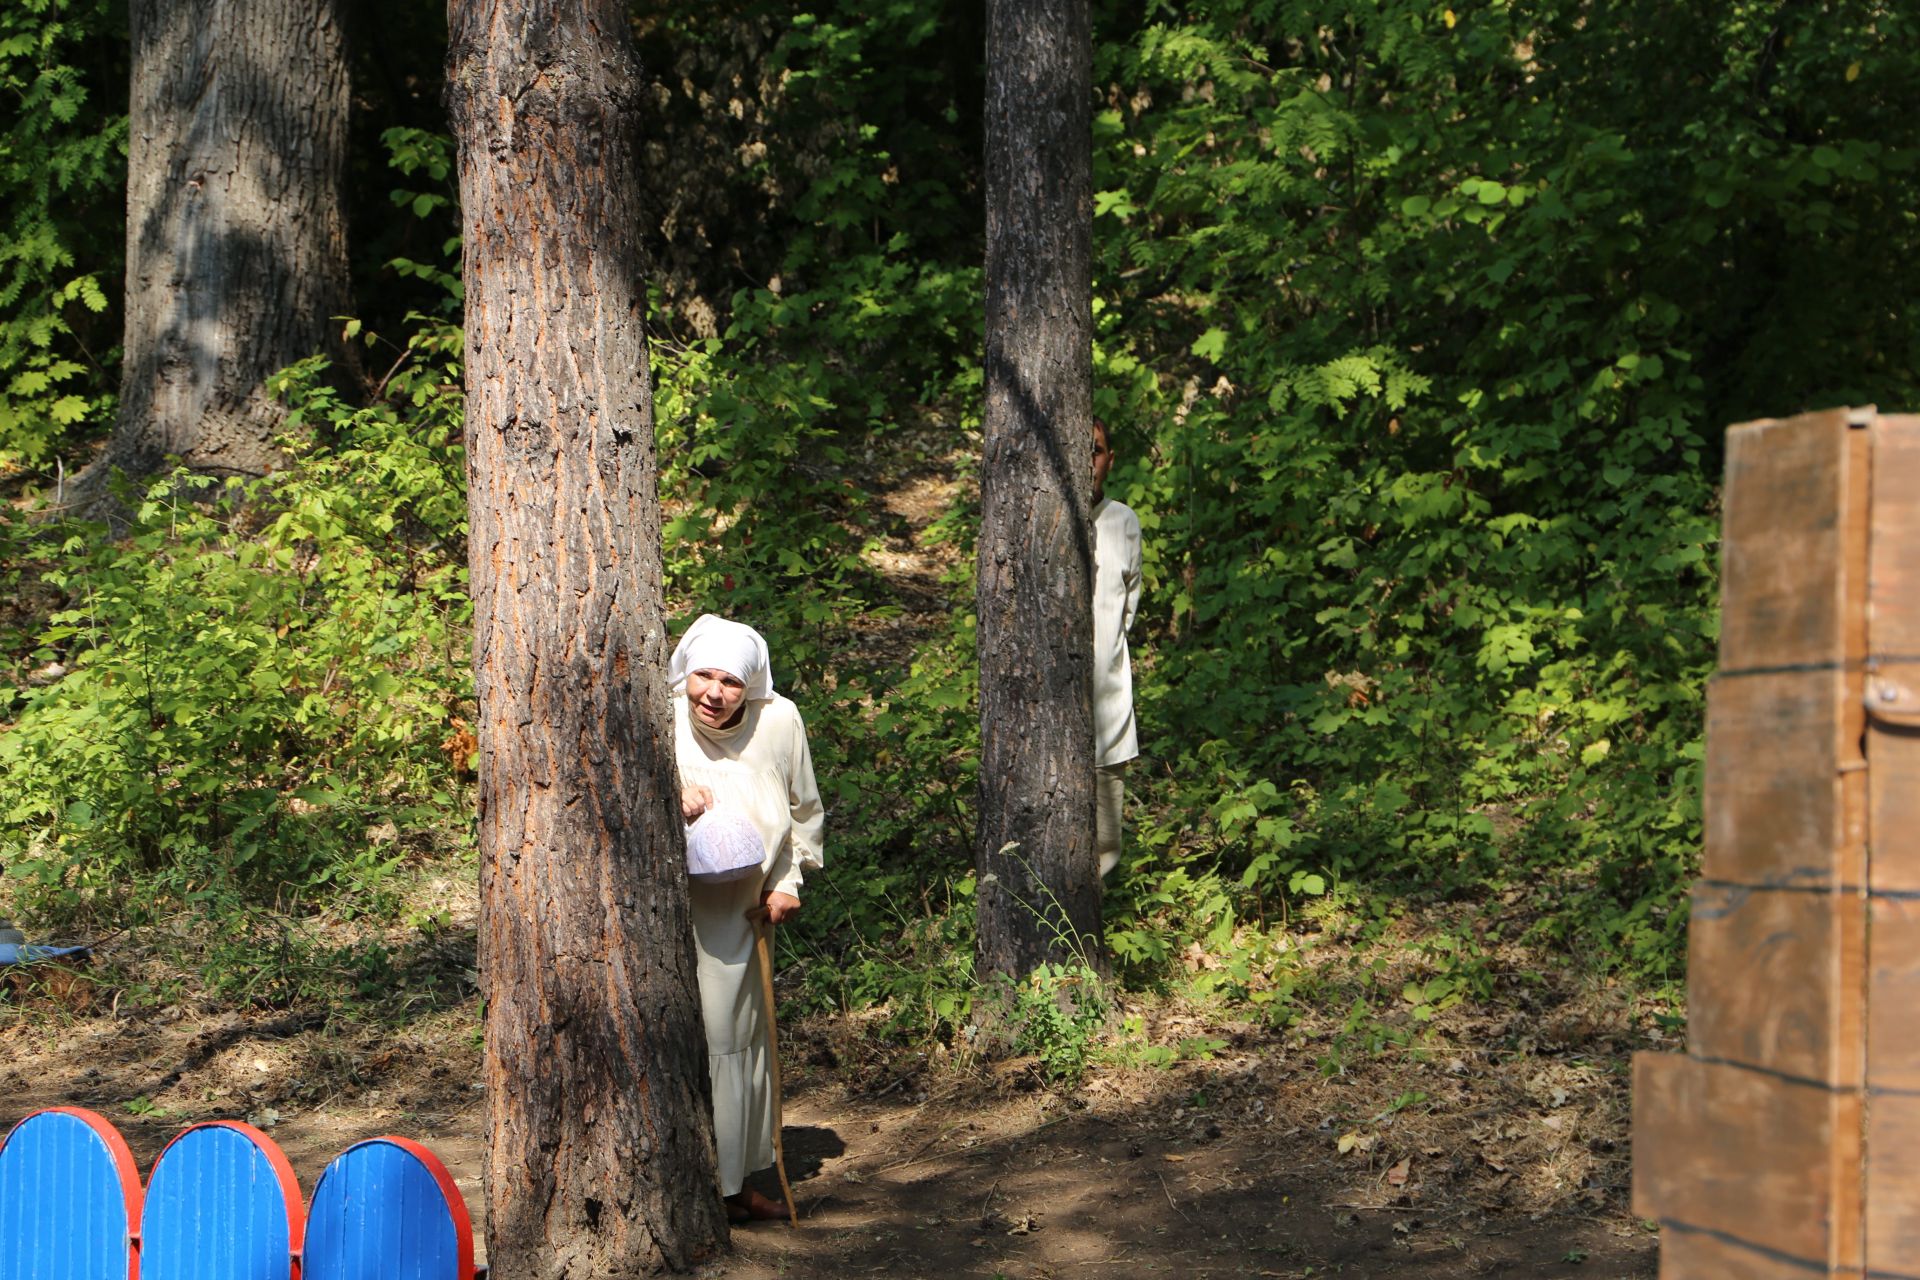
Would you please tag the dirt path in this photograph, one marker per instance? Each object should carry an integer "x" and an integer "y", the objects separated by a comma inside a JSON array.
[
  {"x": 1018, "y": 1188},
  {"x": 1219, "y": 1168}
]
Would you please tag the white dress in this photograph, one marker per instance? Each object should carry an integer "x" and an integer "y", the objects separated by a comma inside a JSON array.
[{"x": 760, "y": 767}]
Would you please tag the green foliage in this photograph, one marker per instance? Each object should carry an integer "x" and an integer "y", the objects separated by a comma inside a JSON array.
[
  {"x": 1058, "y": 1011},
  {"x": 863, "y": 948},
  {"x": 426, "y": 160},
  {"x": 765, "y": 523},
  {"x": 62, "y": 158},
  {"x": 760, "y": 432},
  {"x": 255, "y": 678},
  {"x": 1417, "y": 340},
  {"x": 792, "y": 146},
  {"x": 891, "y": 922},
  {"x": 1132, "y": 1048},
  {"x": 247, "y": 708}
]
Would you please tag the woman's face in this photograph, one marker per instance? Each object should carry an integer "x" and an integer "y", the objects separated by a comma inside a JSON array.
[{"x": 715, "y": 696}]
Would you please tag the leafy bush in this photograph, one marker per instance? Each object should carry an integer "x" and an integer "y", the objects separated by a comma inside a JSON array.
[
  {"x": 1417, "y": 330},
  {"x": 62, "y": 156},
  {"x": 1059, "y": 1010},
  {"x": 256, "y": 675}
]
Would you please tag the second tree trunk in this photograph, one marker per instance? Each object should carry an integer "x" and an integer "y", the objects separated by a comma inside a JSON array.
[
  {"x": 236, "y": 230},
  {"x": 1039, "y": 899}
]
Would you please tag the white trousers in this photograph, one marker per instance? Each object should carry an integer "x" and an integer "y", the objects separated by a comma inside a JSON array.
[{"x": 1109, "y": 799}]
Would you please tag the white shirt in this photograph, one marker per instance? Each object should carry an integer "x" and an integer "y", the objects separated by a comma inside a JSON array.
[
  {"x": 1116, "y": 597},
  {"x": 763, "y": 767}
]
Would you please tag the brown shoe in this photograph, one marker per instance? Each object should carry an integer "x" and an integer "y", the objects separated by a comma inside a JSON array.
[{"x": 749, "y": 1205}]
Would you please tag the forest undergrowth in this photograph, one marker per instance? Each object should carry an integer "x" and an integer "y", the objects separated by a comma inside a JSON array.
[{"x": 1457, "y": 1037}]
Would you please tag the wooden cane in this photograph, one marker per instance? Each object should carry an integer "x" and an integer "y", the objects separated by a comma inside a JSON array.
[{"x": 763, "y": 953}]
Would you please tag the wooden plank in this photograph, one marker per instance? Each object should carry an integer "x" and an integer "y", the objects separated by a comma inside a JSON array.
[
  {"x": 1895, "y": 569},
  {"x": 1763, "y": 979},
  {"x": 1774, "y": 803},
  {"x": 1741, "y": 1153},
  {"x": 1753, "y": 1153},
  {"x": 1892, "y": 1130},
  {"x": 1893, "y": 1172},
  {"x": 1846, "y": 1254},
  {"x": 1893, "y": 787},
  {"x": 1893, "y": 732},
  {"x": 1856, "y": 534},
  {"x": 1783, "y": 588},
  {"x": 1850, "y": 864},
  {"x": 1893, "y": 996},
  {"x": 1892, "y": 1141},
  {"x": 1846, "y": 1174},
  {"x": 1690, "y": 1255}
]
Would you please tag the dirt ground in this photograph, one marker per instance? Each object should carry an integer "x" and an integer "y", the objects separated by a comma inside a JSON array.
[{"x": 1255, "y": 1162}]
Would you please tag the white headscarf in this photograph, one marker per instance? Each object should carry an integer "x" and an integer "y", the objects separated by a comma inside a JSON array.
[{"x": 713, "y": 643}]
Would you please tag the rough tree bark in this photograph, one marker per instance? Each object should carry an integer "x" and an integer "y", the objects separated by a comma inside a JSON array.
[
  {"x": 1041, "y": 901},
  {"x": 236, "y": 230},
  {"x": 600, "y": 1162}
]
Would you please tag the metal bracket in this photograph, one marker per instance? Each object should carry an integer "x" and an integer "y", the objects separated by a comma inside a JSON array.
[{"x": 1892, "y": 701}]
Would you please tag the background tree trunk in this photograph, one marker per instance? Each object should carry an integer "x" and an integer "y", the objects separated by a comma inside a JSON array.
[
  {"x": 236, "y": 234},
  {"x": 1036, "y": 482},
  {"x": 601, "y": 1156}
]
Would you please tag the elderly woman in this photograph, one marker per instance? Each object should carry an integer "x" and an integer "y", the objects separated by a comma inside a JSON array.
[{"x": 742, "y": 751}]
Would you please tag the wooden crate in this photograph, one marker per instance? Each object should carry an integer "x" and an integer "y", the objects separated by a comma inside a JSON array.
[
  {"x": 1764, "y": 978},
  {"x": 1736, "y": 1155},
  {"x": 1786, "y": 1142}
]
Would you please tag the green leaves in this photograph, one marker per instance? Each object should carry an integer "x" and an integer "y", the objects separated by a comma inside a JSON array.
[
  {"x": 61, "y": 161},
  {"x": 1113, "y": 203},
  {"x": 1434, "y": 532},
  {"x": 1210, "y": 345},
  {"x": 237, "y": 700}
]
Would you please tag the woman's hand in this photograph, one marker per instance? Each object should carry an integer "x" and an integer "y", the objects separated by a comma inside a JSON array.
[
  {"x": 779, "y": 907},
  {"x": 694, "y": 801}
]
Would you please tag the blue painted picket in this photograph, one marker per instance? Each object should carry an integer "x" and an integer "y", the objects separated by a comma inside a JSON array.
[
  {"x": 27, "y": 953},
  {"x": 222, "y": 1204},
  {"x": 387, "y": 1209},
  {"x": 69, "y": 1199}
]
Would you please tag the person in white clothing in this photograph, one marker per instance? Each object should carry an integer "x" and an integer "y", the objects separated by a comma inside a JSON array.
[
  {"x": 1116, "y": 598},
  {"x": 741, "y": 748}
]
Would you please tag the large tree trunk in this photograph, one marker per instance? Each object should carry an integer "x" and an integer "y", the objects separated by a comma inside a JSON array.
[
  {"x": 236, "y": 233},
  {"x": 1041, "y": 900},
  {"x": 600, "y": 1162}
]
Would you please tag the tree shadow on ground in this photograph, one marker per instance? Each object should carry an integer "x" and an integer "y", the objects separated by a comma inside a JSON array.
[
  {"x": 1002, "y": 1182},
  {"x": 808, "y": 1147}
]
